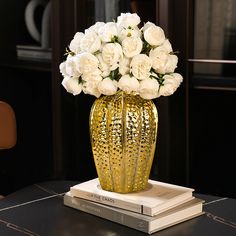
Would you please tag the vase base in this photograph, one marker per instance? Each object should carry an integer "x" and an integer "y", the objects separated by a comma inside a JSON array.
[{"x": 123, "y": 188}]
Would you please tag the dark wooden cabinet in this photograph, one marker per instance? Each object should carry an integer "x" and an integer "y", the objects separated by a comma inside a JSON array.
[
  {"x": 27, "y": 86},
  {"x": 195, "y": 144},
  {"x": 197, "y": 123},
  {"x": 205, "y": 131}
]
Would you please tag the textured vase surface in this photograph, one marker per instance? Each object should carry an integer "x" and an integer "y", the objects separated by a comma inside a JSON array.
[{"x": 123, "y": 131}]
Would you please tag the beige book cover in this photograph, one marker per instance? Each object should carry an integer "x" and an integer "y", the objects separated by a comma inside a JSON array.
[{"x": 156, "y": 198}]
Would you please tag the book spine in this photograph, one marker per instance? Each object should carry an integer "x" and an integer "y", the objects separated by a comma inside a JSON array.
[
  {"x": 107, "y": 213},
  {"x": 107, "y": 200}
]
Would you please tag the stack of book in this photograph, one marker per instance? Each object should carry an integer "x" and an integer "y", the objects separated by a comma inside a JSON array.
[{"x": 159, "y": 206}]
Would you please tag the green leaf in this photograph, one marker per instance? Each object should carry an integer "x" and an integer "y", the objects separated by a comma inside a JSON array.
[
  {"x": 69, "y": 52},
  {"x": 115, "y": 75},
  {"x": 114, "y": 39}
]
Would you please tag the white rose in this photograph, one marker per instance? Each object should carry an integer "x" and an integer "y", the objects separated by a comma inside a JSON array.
[
  {"x": 75, "y": 42},
  {"x": 171, "y": 64},
  {"x": 62, "y": 68},
  {"x": 178, "y": 77},
  {"x": 166, "y": 46},
  {"x": 170, "y": 84},
  {"x": 91, "y": 86},
  {"x": 124, "y": 66},
  {"x": 154, "y": 35},
  {"x": 96, "y": 27},
  {"x": 128, "y": 20},
  {"x": 96, "y": 72},
  {"x": 86, "y": 63},
  {"x": 71, "y": 68},
  {"x": 107, "y": 86},
  {"x": 147, "y": 25},
  {"x": 128, "y": 84},
  {"x": 111, "y": 54},
  {"x": 149, "y": 88},
  {"x": 132, "y": 46},
  {"x": 128, "y": 32},
  {"x": 90, "y": 42},
  {"x": 104, "y": 67},
  {"x": 159, "y": 59},
  {"x": 163, "y": 62},
  {"x": 72, "y": 85},
  {"x": 108, "y": 31},
  {"x": 141, "y": 66},
  {"x": 92, "y": 77}
]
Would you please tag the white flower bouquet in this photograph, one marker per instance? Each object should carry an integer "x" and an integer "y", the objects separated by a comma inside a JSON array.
[{"x": 114, "y": 56}]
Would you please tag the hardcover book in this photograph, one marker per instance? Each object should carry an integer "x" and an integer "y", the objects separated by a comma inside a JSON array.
[
  {"x": 156, "y": 198},
  {"x": 144, "y": 223}
]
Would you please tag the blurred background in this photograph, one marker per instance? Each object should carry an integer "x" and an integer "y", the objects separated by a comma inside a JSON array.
[{"x": 197, "y": 129}]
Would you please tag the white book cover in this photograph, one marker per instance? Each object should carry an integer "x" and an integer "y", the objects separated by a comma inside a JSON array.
[
  {"x": 144, "y": 223},
  {"x": 156, "y": 198}
]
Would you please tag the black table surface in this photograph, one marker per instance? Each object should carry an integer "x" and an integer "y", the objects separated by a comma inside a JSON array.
[{"x": 39, "y": 210}]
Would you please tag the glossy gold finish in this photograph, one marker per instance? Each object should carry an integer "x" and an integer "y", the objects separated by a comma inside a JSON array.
[{"x": 123, "y": 130}]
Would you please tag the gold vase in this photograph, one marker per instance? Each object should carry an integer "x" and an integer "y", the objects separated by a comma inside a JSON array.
[{"x": 123, "y": 130}]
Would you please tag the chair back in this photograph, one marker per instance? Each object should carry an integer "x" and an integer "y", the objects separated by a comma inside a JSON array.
[{"x": 8, "y": 133}]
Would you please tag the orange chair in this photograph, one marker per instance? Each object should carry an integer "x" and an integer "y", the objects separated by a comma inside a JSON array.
[
  {"x": 7, "y": 126},
  {"x": 8, "y": 134}
]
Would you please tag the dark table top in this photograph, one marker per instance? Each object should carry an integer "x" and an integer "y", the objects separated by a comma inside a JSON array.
[{"x": 39, "y": 210}]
